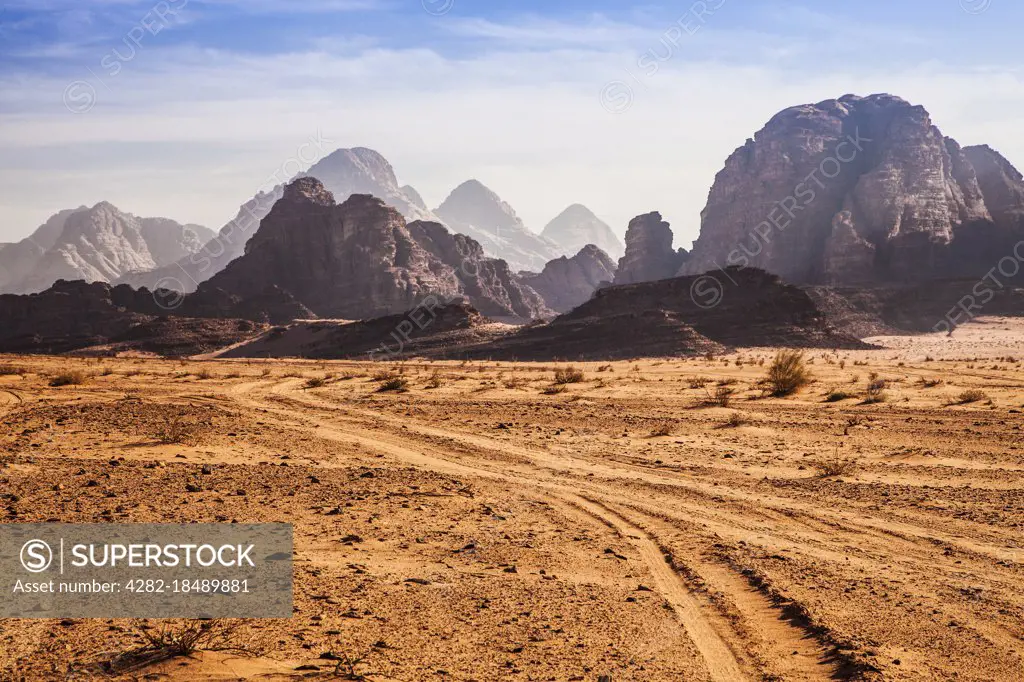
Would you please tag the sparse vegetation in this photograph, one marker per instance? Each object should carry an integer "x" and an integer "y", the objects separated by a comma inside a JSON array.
[
  {"x": 315, "y": 382},
  {"x": 177, "y": 431},
  {"x": 787, "y": 374},
  {"x": 930, "y": 383},
  {"x": 569, "y": 375},
  {"x": 395, "y": 384},
  {"x": 555, "y": 389},
  {"x": 876, "y": 392},
  {"x": 665, "y": 428},
  {"x": 720, "y": 398},
  {"x": 204, "y": 374},
  {"x": 72, "y": 377},
  {"x": 835, "y": 466},
  {"x": 971, "y": 396},
  {"x": 697, "y": 382},
  {"x": 12, "y": 370},
  {"x": 435, "y": 380},
  {"x": 169, "y": 641},
  {"x": 735, "y": 420}
]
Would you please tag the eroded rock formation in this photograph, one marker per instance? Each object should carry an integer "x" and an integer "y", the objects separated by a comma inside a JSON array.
[
  {"x": 856, "y": 189},
  {"x": 649, "y": 254},
  {"x": 568, "y": 282}
]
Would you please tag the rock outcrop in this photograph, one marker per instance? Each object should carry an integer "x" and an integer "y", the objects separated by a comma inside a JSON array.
[
  {"x": 474, "y": 210},
  {"x": 576, "y": 227},
  {"x": 649, "y": 255},
  {"x": 568, "y": 282},
  {"x": 360, "y": 260},
  {"x": 344, "y": 172},
  {"x": 102, "y": 243},
  {"x": 853, "y": 190}
]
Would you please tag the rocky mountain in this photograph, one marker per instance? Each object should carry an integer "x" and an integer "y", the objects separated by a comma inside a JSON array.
[
  {"x": 649, "y": 255},
  {"x": 568, "y": 282},
  {"x": 344, "y": 172},
  {"x": 100, "y": 244},
  {"x": 576, "y": 227},
  {"x": 18, "y": 260},
  {"x": 474, "y": 210},
  {"x": 859, "y": 190},
  {"x": 359, "y": 259}
]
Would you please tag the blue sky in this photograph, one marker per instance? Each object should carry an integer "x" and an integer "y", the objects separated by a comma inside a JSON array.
[{"x": 184, "y": 108}]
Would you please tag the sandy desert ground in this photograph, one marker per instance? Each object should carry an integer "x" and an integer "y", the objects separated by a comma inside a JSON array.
[{"x": 483, "y": 526}]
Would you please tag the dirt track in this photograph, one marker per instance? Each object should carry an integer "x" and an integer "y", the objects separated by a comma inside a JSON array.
[{"x": 620, "y": 528}]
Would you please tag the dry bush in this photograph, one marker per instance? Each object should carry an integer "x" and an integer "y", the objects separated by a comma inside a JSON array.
[
  {"x": 515, "y": 382},
  {"x": 555, "y": 389},
  {"x": 836, "y": 466},
  {"x": 315, "y": 382},
  {"x": 204, "y": 374},
  {"x": 876, "y": 392},
  {"x": 605, "y": 368},
  {"x": 178, "y": 431},
  {"x": 720, "y": 398},
  {"x": 735, "y": 420},
  {"x": 72, "y": 377},
  {"x": 435, "y": 380},
  {"x": 930, "y": 383},
  {"x": 697, "y": 382},
  {"x": 569, "y": 375},
  {"x": 266, "y": 372},
  {"x": 395, "y": 384},
  {"x": 106, "y": 371},
  {"x": 787, "y": 374},
  {"x": 12, "y": 370},
  {"x": 384, "y": 375},
  {"x": 972, "y": 395},
  {"x": 170, "y": 641}
]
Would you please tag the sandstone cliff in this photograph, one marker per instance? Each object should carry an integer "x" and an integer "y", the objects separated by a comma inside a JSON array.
[
  {"x": 855, "y": 190},
  {"x": 360, "y": 259},
  {"x": 649, "y": 255}
]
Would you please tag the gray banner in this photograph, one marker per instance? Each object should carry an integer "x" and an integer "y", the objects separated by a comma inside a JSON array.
[{"x": 54, "y": 570}]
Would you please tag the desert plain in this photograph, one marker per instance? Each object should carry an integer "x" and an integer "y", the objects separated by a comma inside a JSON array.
[{"x": 652, "y": 520}]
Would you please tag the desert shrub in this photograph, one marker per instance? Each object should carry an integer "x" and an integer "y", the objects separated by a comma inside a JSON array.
[
  {"x": 735, "y": 420},
  {"x": 204, "y": 374},
  {"x": 266, "y": 372},
  {"x": 605, "y": 368},
  {"x": 837, "y": 396},
  {"x": 728, "y": 382},
  {"x": 697, "y": 382},
  {"x": 971, "y": 396},
  {"x": 70, "y": 378},
  {"x": 569, "y": 375},
  {"x": 315, "y": 382},
  {"x": 395, "y": 384},
  {"x": 836, "y": 466},
  {"x": 515, "y": 382},
  {"x": 12, "y": 370},
  {"x": 177, "y": 431},
  {"x": 555, "y": 389},
  {"x": 787, "y": 373},
  {"x": 435, "y": 380},
  {"x": 930, "y": 383},
  {"x": 384, "y": 375},
  {"x": 169, "y": 641},
  {"x": 876, "y": 392},
  {"x": 721, "y": 397}
]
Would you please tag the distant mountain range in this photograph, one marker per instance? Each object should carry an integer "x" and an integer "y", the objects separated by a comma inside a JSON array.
[{"x": 98, "y": 244}]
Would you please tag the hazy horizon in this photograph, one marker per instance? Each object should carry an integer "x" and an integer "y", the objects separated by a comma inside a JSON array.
[{"x": 183, "y": 109}]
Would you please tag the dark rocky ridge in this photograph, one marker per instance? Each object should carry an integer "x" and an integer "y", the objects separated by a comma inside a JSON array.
[
  {"x": 859, "y": 190},
  {"x": 360, "y": 260}
]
